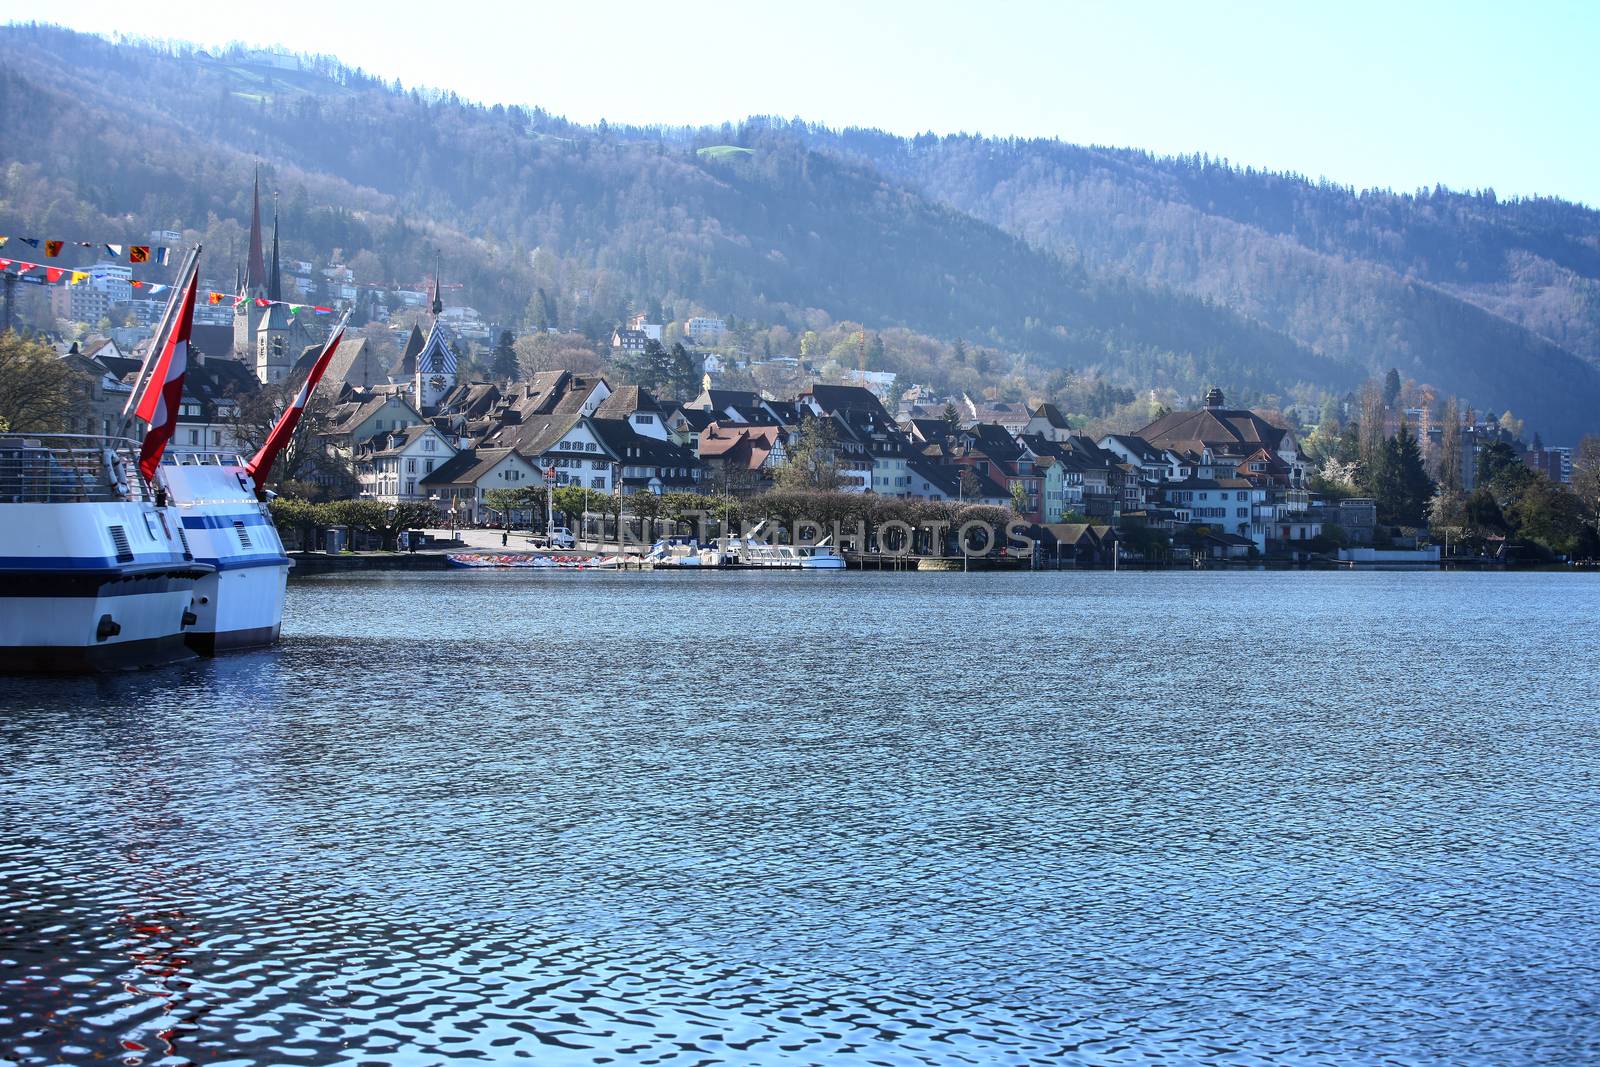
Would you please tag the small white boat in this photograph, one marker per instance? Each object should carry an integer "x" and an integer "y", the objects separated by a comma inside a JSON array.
[
  {"x": 817, "y": 557},
  {"x": 95, "y": 573},
  {"x": 681, "y": 552}
]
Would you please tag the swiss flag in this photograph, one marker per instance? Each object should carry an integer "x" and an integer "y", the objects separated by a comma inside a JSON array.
[
  {"x": 163, "y": 389},
  {"x": 260, "y": 465}
]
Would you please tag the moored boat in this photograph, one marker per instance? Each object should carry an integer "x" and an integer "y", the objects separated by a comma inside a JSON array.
[
  {"x": 95, "y": 573},
  {"x": 240, "y": 604}
]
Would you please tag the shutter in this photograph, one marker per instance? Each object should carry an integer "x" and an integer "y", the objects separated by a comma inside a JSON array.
[{"x": 119, "y": 537}]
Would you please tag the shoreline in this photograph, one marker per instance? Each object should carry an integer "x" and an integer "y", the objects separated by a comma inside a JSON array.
[{"x": 314, "y": 564}]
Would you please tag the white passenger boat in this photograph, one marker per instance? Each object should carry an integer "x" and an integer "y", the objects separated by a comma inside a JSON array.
[
  {"x": 94, "y": 573},
  {"x": 240, "y": 604},
  {"x": 818, "y": 557}
]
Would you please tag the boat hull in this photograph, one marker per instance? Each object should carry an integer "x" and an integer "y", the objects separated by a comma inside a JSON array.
[
  {"x": 239, "y": 607},
  {"x": 74, "y": 621}
]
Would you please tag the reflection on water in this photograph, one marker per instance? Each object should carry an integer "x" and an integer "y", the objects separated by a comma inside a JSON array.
[{"x": 875, "y": 818}]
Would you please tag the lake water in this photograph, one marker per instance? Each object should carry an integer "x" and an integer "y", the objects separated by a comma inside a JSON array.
[{"x": 844, "y": 818}]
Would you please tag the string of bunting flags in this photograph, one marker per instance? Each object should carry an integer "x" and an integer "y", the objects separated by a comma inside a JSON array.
[
  {"x": 57, "y": 275},
  {"x": 157, "y": 255},
  {"x": 52, "y": 275},
  {"x": 213, "y": 297}
]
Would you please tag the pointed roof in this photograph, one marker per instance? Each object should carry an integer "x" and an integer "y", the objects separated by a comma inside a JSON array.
[
  {"x": 408, "y": 357},
  {"x": 436, "y": 356},
  {"x": 1223, "y": 430},
  {"x": 275, "y": 282},
  {"x": 255, "y": 264}
]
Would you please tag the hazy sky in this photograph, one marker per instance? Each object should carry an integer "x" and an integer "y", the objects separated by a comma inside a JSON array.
[{"x": 1399, "y": 94}]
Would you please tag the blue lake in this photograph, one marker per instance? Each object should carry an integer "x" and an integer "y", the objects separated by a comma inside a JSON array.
[{"x": 742, "y": 818}]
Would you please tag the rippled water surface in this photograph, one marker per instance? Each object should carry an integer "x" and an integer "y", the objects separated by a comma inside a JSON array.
[{"x": 733, "y": 818}]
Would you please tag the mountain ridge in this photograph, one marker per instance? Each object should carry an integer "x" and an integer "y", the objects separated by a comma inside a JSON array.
[{"x": 1102, "y": 261}]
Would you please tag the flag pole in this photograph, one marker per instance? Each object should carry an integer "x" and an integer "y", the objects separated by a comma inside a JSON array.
[{"x": 159, "y": 339}]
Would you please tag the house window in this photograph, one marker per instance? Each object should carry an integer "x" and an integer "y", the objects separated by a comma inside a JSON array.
[
  {"x": 644, "y": 420},
  {"x": 597, "y": 483},
  {"x": 591, "y": 447},
  {"x": 411, "y": 466},
  {"x": 427, "y": 444},
  {"x": 194, "y": 437}
]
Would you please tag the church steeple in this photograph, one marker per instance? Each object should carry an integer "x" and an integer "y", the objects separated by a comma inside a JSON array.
[
  {"x": 255, "y": 265},
  {"x": 275, "y": 286},
  {"x": 438, "y": 304}
]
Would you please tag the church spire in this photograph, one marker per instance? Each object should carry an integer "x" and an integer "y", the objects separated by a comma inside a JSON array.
[
  {"x": 255, "y": 266},
  {"x": 275, "y": 286},
  {"x": 438, "y": 304}
]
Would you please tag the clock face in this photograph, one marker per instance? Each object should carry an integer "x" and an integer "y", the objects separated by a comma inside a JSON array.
[{"x": 437, "y": 381}]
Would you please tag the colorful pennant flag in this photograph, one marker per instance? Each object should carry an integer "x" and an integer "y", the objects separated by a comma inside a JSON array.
[
  {"x": 53, "y": 274},
  {"x": 114, "y": 250},
  {"x": 139, "y": 254},
  {"x": 31, "y": 242},
  {"x": 52, "y": 248}
]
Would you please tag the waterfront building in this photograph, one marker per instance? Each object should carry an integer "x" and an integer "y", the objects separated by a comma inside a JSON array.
[
  {"x": 390, "y": 465},
  {"x": 1225, "y": 435},
  {"x": 741, "y": 459},
  {"x": 459, "y": 484}
]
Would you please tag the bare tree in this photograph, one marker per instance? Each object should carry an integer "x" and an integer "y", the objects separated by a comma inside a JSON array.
[{"x": 37, "y": 388}]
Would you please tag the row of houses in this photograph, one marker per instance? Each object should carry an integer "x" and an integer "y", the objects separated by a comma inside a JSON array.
[{"x": 425, "y": 436}]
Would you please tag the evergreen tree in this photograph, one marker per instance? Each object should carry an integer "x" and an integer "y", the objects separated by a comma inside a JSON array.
[
  {"x": 952, "y": 420},
  {"x": 540, "y": 316},
  {"x": 683, "y": 374},
  {"x": 1391, "y": 388},
  {"x": 651, "y": 368},
  {"x": 1400, "y": 483},
  {"x": 503, "y": 365}
]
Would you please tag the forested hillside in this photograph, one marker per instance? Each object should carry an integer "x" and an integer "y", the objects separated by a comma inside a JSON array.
[
  {"x": 1484, "y": 297},
  {"x": 1146, "y": 273}
]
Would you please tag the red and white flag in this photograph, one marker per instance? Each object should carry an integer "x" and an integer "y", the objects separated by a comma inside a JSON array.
[
  {"x": 157, "y": 403},
  {"x": 260, "y": 465}
]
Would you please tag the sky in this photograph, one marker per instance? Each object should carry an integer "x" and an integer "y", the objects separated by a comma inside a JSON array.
[{"x": 1404, "y": 94}]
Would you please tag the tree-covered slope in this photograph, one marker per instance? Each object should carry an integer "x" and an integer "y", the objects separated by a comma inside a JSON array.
[
  {"x": 1148, "y": 272},
  {"x": 1497, "y": 300}
]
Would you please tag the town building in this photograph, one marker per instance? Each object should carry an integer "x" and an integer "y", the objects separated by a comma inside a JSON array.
[
  {"x": 265, "y": 336},
  {"x": 459, "y": 485}
]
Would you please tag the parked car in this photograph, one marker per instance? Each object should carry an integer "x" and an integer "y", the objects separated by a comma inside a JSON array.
[{"x": 555, "y": 537}]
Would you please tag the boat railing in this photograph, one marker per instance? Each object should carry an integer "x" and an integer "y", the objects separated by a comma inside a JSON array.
[
  {"x": 201, "y": 459},
  {"x": 67, "y": 469}
]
